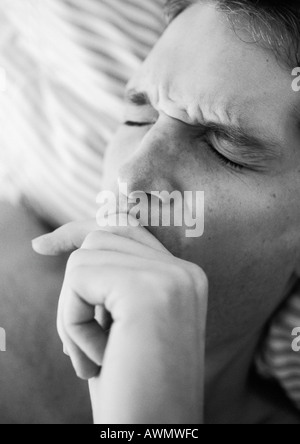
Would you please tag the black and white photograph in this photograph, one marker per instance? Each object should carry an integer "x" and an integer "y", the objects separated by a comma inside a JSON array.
[{"x": 149, "y": 215}]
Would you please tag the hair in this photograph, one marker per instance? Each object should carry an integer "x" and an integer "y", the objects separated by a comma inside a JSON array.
[{"x": 274, "y": 24}]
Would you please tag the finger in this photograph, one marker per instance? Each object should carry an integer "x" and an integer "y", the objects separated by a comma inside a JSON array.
[
  {"x": 129, "y": 228},
  {"x": 97, "y": 285},
  {"x": 86, "y": 367},
  {"x": 65, "y": 239},
  {"x": 108, "y": 241},
  {"x": 103, "y": 318},
  {"x": 71, "y": 236},
  {"x": 82, "y": 328},
  {"x": 92, "y": 286},
  {"x": 99, "y": 259}
]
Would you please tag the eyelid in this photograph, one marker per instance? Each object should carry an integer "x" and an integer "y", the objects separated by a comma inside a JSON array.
[
  {"x": 224, "y": 159},
  {"x": 140, "y": 124},
  {"x": 227, "y": 138},
  {"x": 207, "y": 135}
]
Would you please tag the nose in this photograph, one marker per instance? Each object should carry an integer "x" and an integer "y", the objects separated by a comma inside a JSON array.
[{"x": 152, "y": 166}]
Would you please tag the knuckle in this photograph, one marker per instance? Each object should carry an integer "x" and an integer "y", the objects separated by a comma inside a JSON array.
[
  {"x": 75, "y": 261},
  {"x": 196, "y": 271},
  {"x": 180, "y": 275},
  {"x": 186, "y": 274},
  {"x": 119, "y": 230},
  {"x": 92, "y": 239},
  {"x": 199, "y": 278}
]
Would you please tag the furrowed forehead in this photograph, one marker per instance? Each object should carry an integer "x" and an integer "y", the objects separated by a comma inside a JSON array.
[{"x": 208, "y": 72}]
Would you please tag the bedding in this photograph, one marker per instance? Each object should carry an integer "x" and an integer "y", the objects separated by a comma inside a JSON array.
[{"x": 67, "y": 63}]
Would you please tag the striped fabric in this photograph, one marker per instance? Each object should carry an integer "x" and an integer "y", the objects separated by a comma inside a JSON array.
[
  {"x": 277, "y": 359},
  {"x": 67, "y": 62}
]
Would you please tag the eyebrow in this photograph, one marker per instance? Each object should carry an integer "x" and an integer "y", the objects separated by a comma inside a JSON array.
[
  {"x": 235, "y": 134},
  {"x": 238, "y": 136},
  {"x": 137, "y": 98}
]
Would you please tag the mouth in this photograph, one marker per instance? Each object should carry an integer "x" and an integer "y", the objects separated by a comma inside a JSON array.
[
  {"x": 156, "y": 235},
  {"x": 118, "y": 218}
]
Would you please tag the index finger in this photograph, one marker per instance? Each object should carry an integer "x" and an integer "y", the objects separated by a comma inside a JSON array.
[
  {"x": 65, "y": 239},
  {"x": 71, "y": 236}
]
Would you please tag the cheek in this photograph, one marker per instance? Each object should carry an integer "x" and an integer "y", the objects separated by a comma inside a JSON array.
[
  {"x": 245, "y": 252},
  {"x": 244, "y": 229}
]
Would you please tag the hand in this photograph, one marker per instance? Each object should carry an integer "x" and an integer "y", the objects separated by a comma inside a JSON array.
[{"x": 153, "y": 357}]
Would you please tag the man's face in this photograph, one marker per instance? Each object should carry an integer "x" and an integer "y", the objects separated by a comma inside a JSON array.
[{"x": 209, "y": 112}]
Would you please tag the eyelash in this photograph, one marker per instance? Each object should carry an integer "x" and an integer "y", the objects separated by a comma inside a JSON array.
[
  {"x": 224, "y": 160},
  {"x": 139, "y": 124}
]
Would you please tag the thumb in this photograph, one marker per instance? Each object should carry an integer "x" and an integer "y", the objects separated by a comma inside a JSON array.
[{"x": 65, "y": 239}]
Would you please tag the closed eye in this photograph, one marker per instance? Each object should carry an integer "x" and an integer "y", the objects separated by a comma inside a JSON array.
[
  {"x": 213, "y": 142},
  {"x": 209, "y": 144},
  {"x": 224, "y": 159},
  {"x": 130, "y": 123}
]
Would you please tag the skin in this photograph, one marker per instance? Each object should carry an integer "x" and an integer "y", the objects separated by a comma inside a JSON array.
[
  {"x": 34, "y": 360},
  {"x": 202, "y": 71}
]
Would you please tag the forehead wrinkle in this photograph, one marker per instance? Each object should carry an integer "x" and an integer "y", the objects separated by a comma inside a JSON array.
[
  {"x": 220, "y": 110},
  {"x": 200, "y": 111},
  {"x": 200, "y": 108},
  {"x": 166, "y": 96},
  {"x": 186, "y": 105},
  {"x": 170, "y": 103},
  {"x": 231, "y": 113}
]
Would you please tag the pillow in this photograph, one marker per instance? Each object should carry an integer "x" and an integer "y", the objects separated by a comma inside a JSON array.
[{"x": 67, "y": 63}]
